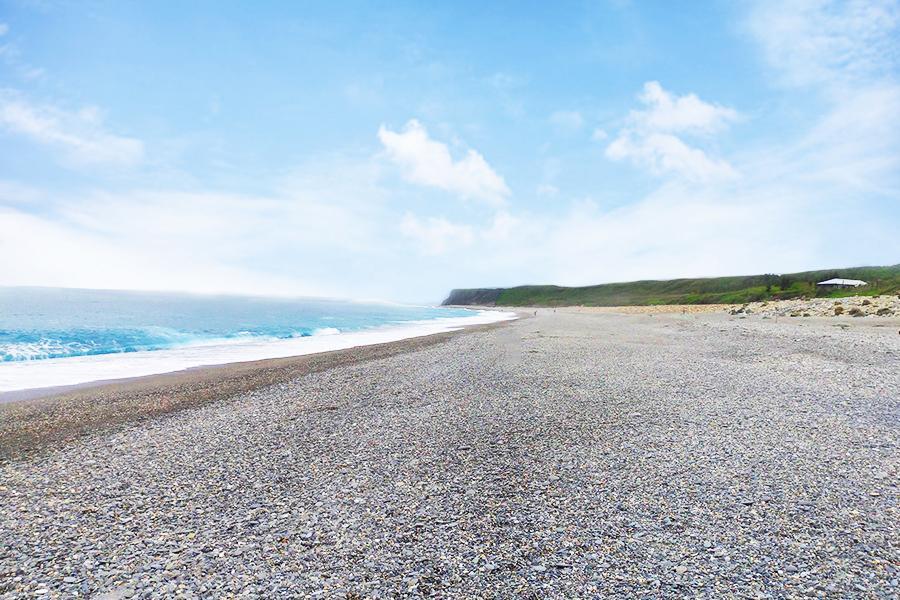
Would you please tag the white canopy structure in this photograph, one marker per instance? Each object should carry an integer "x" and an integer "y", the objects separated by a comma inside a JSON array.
[{"x": 843, "y": 282}]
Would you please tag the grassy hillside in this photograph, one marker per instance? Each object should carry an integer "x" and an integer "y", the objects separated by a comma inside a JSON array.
[{"x": 726, "y": 290}]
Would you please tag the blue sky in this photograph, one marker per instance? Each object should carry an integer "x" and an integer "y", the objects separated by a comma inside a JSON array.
[{"x": 397, "y": 150}]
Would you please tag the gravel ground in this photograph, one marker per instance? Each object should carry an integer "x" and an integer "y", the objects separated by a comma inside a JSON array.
[
  {"x": 33, "y": 420},
  {"x": 852, "y": 306},
  {"x": 654, "y": 309},
  {"x": 562, "y": 455}
]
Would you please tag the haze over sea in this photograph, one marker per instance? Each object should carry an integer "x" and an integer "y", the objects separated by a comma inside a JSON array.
[{"x": 53, "y": 337}]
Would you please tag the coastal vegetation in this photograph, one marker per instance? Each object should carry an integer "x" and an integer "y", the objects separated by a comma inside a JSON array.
[{"x": 709, "y": 290}]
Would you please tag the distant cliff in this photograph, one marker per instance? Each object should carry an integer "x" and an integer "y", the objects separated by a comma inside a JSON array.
[
  {"x": 474, "y": 297},
  {"x": 712, "y": 290}
]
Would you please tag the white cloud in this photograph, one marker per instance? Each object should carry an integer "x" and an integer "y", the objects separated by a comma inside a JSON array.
[
  {"x": 796, "y": 196},
  {"x": 648, "y": 138},
  {"x": 14, "y": 193},
  {"x": 676, "y": 231},
  {"x": 567, "y": 121},
  {"x": 428, "y": 162},
  {"x": 663, "y": 153},
  {"x": 828, "y": 43},
  {"x": 287, "y": 241},
  {"x": 503, "y": 227},
  {"x": 436, "y": 235},
  {"x": 80, "y": 135},
  {"x": 599, "y": 135},
  {"x": 813, "y": 199},
  {"x": 846, "y": 51},
  {"x": 12, "y": 56},
  {"x": 51, "y": 253},
  {"x": 677, "y": 114}
]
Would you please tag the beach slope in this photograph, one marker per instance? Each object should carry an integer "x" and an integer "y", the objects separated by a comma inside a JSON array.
[{"x": 561, "y": 455}]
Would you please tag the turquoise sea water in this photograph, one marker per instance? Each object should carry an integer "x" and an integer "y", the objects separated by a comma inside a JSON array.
[{"x": 45, "y": 323}]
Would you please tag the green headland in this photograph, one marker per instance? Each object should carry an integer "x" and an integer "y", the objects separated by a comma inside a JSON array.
[{"x": 708, "y": 290}]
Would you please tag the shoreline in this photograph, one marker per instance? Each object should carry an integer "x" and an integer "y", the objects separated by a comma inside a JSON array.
[
  {"x": 34, "y": 378},
  {"x": 38, "y": 418},
  {"x": 564, "y": 454},
  {"x": 35, "y": 419}
]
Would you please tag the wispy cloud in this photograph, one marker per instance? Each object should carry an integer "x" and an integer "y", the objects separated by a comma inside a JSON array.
[
  {"x": 235, "y": 242},
  {"x": 436, "y": 235},
  {"x": 666, "y": 112},
  {"x": 12, "y": 56},
  {"x": 846, "y": 52},
  {"x": 664, "y": 153},
  {"x": 567, "y": 121},
  {"x": 821, "y": 184},
  {"x": 826, "y": 42},
  {"x": 425, "y": 161},
  {"x": 46, "y": 251},
  {"x": 80, "y": 135},
  {"x": 13, "y": 193},
  {"x": 649, "y": 138},
  {"x": 507, "y": 89},
  {"x": 343, "y": 227}
]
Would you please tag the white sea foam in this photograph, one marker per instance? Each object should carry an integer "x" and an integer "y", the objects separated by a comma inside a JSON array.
[
  {"x": 24, "y": 375},
  {"x": 39, "y": 349},
  {"x": 326, "y": 331}
]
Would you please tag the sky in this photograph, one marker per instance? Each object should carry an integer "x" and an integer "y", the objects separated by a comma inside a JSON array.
[{"x": 397, "y": 150}]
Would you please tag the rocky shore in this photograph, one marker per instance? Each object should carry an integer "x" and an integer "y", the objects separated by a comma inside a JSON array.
[
  {"x": 851, "y": 306},
  {"x": 562, "y": 455}
]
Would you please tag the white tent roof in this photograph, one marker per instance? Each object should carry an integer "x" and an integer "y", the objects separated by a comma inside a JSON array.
[{"x": 853, "y": 282}]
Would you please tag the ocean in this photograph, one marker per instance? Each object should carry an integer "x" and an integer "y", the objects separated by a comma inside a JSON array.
[{"x": 56, "y": 337}]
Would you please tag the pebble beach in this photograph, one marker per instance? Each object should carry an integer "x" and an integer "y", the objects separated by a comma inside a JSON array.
[{"x": 565, "y": 454}]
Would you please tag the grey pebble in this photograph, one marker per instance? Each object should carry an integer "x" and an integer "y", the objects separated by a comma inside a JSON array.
[{"x": 680, "y": 456}]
